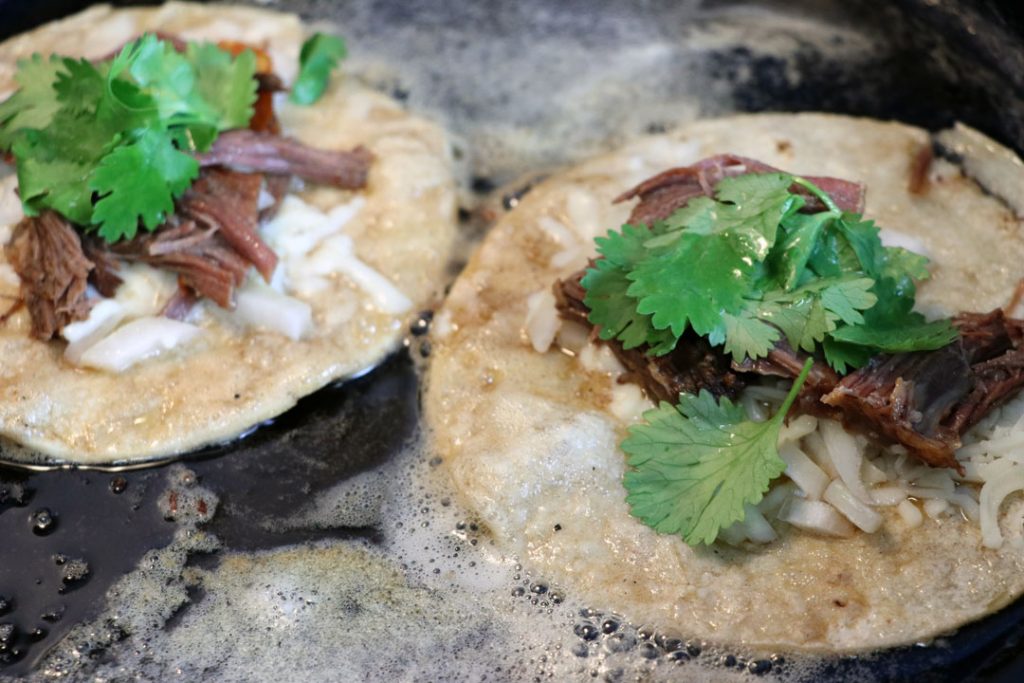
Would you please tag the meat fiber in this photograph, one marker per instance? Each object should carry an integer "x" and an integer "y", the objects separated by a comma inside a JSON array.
[
  {"x": 46, "y": 253},
  {"x": 228, "y": 202},
  {"x": 253, "y": 151},
  {"x": 926, "y": 400},
  {"x": 202, "y": 258},
  {"x": 663, "y": 194}
]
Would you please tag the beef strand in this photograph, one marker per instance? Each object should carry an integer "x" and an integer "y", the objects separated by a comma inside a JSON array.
[
  {"x": 926, "y": 400},
  {"x": 203, "y": 259},
  {"x": 46, "y": 253},
  {"x": 248, "y": 150},
  {"x": 663, "y": 194},
  {"x": 228, "y": 201}
]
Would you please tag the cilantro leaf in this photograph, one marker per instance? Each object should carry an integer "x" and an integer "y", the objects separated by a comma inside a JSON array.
[
  {"x": 695, "y": 465},
  {"x": 319, "y": 56},
  {"x": 164, "y": 75},
  {"x": 754, "y": 205},
  {"x": 723, "y": 240},
  {"x": 34, "y": 103},
  {"x": 915, "y": 335},
  {"x": 842, "y": 356},
  {"x": 140, "y": 181},
  {"x": 746, "y": 335},
  {"x": 615, "y": 312},
  {"x": 121, "y": 129},
  {"x": 792, "y": 254},
  {"x": 666, "y": 289},
  {"x": 227, "y": 85},
  {"x": 805, "y": 316},
  {"x": 79, "y": 86},
  {"x": 52, "y": 182},
  {"x": 626, "y": 247}
]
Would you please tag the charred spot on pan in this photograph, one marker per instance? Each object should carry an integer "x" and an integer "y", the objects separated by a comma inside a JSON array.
[
  {"x": 511, "y": 199},
  {"x": 482, "y": 185},
  {"x": 421, "y": 325}
]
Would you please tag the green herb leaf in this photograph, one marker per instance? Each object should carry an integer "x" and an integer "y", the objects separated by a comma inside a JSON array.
[
  {"x": 48, "y": 181},
  {"x": 226, "y": 84},
  {"x": 746, "y": 335},
  {"x": 320, "y": 55},
  {"x": 34, "y": 103},
  {"x": 615, "y": 312},
  {"x": 744, "y": 269},
  {"x": 802, "y": 234},
  {"x": 843, "y": 357},
  {"x": 79, "y": 86},
  {"x": 140, "y": 181},
  {"x": 695, "y": 465},
  {"x": 666, "y": 289},
  {"x": 805, "y": 316},
  {"x": 915, "y": 335}
]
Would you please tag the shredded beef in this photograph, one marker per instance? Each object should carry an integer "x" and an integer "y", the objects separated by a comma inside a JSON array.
[
  {"x": 783, "y": 361},
  {"x": 46, "y": 253},
  {"x": 666, "y": 192},
  {"x": 926, "y": 400},
  {"x": 181, "y": 303},
  {"x": 104, "y": 275},
  {"x": 228, "y": 202},
  {"x": 263, "y": 117},
  {"x": 277, "y": 187},
  {"x": 248, "y": 150},
  {"x": 210, "y": 241},
  {"x": 203, "y": 259},
  {"x": 920, "y": 165}
]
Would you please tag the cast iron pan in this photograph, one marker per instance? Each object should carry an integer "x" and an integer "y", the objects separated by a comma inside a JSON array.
[{"x": 940, "y": 61}]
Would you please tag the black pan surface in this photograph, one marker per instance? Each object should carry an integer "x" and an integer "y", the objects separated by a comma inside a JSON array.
[{"x": 67, "y": 536}]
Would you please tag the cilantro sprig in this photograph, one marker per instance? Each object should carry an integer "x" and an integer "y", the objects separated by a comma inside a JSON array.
[
  {"x": 747, "y": 268},
  {"x": 696, "y": 465},
  {"x": 109, "y": 145}
]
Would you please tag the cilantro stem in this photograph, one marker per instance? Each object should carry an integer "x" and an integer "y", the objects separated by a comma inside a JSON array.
[
  {"x": 794, "y": 390},
  {"x": 819, "y": 193}
]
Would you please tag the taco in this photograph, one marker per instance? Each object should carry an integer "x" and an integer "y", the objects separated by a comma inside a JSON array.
[
  {"x": 235, "y": 227},
  {"x": 649, "y": 467}
]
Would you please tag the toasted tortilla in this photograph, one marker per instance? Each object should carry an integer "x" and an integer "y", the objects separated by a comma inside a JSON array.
[
  {"x": 531, "y": 439},
  {"x": 231, "y": 378}
]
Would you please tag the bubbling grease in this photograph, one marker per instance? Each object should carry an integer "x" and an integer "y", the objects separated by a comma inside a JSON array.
[{"x": 431, "y": 598}]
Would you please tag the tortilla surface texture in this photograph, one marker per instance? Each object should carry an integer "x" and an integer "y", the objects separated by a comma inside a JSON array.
[
  {"x": 531, "y": 439},
  {"x": 232, "y": 377}
]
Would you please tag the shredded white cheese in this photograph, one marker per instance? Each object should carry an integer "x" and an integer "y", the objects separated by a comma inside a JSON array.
[
  {"x": 10, "y": 207},
  {"x": 312, "y": 247},
  {"x": 542, "y": 320},
  {"x": 262, "y": 307},
  {"x": 135, "y": 341}
]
